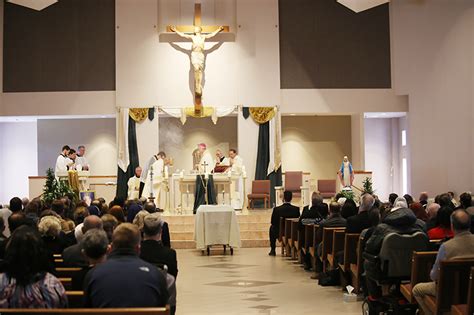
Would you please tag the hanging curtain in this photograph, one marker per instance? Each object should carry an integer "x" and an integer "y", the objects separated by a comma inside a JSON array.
[
  {"x": 124, "y": 176},
  {"x": 123, "y": 158}
]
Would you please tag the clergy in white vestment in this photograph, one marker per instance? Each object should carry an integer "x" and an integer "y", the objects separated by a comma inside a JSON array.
[
  {"x": 221, "y": 159},
  {"x": 206, "y": 165},
  {"x": 134, "y": 184},
  {"x": 62, "y": 161},
  {"x": 71, "y": 160},
  {"x": 81, "y": 159},
  {"x": 153, "y": 183},
  {"x": 237, "y": 166}
]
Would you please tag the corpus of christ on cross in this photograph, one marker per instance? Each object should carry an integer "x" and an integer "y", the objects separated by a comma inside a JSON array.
[{"x": 198, "y": 34}]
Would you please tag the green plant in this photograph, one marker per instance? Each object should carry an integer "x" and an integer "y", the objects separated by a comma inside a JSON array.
[
  {"x": 367, "y": 186},
  {"x": 54, "y": 189},
  {"x": 348, "y": 194}
]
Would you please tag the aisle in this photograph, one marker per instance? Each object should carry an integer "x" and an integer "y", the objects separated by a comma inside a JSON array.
[{"x": 251, "y": 282}]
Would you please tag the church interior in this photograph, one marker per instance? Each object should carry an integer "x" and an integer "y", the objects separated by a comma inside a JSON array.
[{"x": 214, "y": 118}]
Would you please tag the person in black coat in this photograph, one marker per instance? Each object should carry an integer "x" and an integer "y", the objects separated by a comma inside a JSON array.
[
  {"x": 152, "y": 248},
  {"x": 360, "y": 221},
  {"x": 314, "y": 214},
  {"x": 286, "y": 210}
]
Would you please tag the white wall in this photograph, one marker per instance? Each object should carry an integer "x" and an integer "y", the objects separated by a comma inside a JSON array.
[
  {"x": 18, "y": 158},
  {"x": 98, "y": 135},
  {"x": 433, "y": 62}
]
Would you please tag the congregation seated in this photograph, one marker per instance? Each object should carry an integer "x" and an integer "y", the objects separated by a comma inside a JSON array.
[
  {"x": 132, "y": 211},
  {"x": 68, "y": 227},
  {"x": 334, "y": 219},
  {"x": 148, "y": 208},
  {"x": 3, "y": 238},
  {"x": 109, "y": 223},
  {"x": 462, "y": 245},
  {"x": 442, "y": 230},
  {"x": 50, "y": 229},
  {"x": 152, "y": 249},
  {"x": 432, "y": 212},
  {"x": 26, "y": 281},
  {"x": 117, "y": 212},
  {"x": 360, "y": 221},
  {"x": 73, "y": 255},
  {"x": 286, "y": 210},
  {"x": 419, "y": 211},
  {"x": 465, "y": 200},
  {"x": 423, "y": 199},
  {"x": 400, "y": 220},
  {"x": 125, "y": 280},
  {"x": 79, "y": 214},
  {"x": 314, "y": 214},
  {"x": 348, "y": 208},
  {"x": 94, "y": 248}
]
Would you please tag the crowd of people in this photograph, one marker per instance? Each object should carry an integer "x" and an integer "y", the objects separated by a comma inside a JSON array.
[
  {"x": 444, "y": 220},
  {"x": 113, "y": 244}
]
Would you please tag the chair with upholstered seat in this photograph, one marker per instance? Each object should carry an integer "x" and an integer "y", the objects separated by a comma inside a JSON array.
[
  {"x": 327, "y": 187},
  {"x": 260, "y": 191}
]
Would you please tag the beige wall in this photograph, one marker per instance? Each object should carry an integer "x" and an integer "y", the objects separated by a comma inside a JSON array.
[
  {"x": 98, "y": 135},
  {"x": 179, "y": 141},
  {"x": 315, "y": 144},
  {"x": 433, "y": 62}
]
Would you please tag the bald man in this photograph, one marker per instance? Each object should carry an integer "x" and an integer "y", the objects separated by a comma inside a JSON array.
[{"x": 134, "y": 184}]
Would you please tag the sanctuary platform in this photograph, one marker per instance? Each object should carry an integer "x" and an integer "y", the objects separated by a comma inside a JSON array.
[{"x": 254, "y": 225}]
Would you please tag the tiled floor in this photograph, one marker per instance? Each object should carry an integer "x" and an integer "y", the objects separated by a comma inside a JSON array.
[{"x": 251, "y": 282}]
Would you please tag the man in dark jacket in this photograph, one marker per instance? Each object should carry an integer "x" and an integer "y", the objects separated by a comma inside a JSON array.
[
  {"x": 357, "y": 223},
  {"x": 145, "y": 284},
  {"x": 152, "y": 249},
  {"x": 286, "y": 210},
  {"x": 314, "y": 214},
  {"x": 399, "y": 220}
]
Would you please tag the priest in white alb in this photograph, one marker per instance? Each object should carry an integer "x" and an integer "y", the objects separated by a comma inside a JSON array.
[
  {"x": 153, "y": 184},
  {"x": 237, "y": 169},
  {"x": 134, "y": 184}
]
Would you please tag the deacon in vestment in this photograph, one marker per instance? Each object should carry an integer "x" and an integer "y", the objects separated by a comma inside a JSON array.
[
  {"x": 237, "y": 165},
  {"x": 158, "y": 167},
  {"x": 62, "y": 161},
  {"x": 346, "y": 173},
  {"x": 134, "y": 184}
]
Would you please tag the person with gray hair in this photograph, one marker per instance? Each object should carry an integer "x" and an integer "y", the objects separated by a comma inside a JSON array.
[
  {"x": 152, "y": 249},
  {"x": 73, "y": 254},
  {"x": 462, "y": 245},
  {"x": 95, "y": 245},
  {"x": 359, "y": 222}
]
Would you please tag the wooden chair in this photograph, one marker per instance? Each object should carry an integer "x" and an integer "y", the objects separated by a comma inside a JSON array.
[
  {"x": 452, "y": 287},
  {"x": 90, "y": 311},
  {"x": 357, "y": 267},
  {"x": 466, "y": 309},
  {"x": 327, "y": 187},
  {"x": 338, "y": 238},
  {"x": 326, "y": 245},
  {"x": 67, "y": 272},
  {"x": 260, "y": 191},
  {"x": 351, "y": 241},
  {"x": 422, "y": 262}
]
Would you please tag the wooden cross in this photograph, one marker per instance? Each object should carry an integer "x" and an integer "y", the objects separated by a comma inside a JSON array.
[
  {"x": 205, "y": 29},
  {"x": 197, "y": 22}
]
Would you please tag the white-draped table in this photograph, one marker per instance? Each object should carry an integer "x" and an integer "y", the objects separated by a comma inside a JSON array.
[{"x": 216, "y": 225}]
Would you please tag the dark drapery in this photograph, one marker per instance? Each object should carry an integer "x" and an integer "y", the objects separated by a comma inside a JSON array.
[
  {"x": 263, "y": 159},
  {"x": 123, "y": 177},
  {"x": 200, "y": 195}
]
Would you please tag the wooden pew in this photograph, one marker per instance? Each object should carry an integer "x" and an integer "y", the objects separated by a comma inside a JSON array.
[
  {"x": 308, "y": 237},
  {"x": 356, "y": 268},
  {"x": 67, "y": 272},
  {"x": 421, "y": 264},
  {"x": 90, "y": 311},
  {"x": 452, "y": 285},
  {"x": 293, "y": 238},
  {"x": 326, "y": 245},
  {"x": 75, "y": 299},
  {"x": 66, "y": 282},
  {"x": 59, "y": 263},
  {"x": 314, "y": 244},
  {"x": 281, "y": 235},
  {"x": 351, "y": 241},
  {"x": 338, "y": 237},
  {"x": 466, "y": 309},
  {"x": 300, "y": 242}
]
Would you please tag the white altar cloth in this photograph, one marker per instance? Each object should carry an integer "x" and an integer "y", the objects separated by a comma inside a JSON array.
[{"x": 216, "y": 225}]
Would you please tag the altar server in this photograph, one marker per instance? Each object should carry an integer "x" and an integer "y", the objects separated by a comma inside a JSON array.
[
  {"x": 61, "y": 161},
  {"x": 158, "y": 168},
  {"x": 237, "y": 168},
  {"x": 134, "y": 184},
  {"x": 81, "y": 159}
]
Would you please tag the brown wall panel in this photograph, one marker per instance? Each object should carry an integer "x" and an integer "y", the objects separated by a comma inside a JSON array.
[
  {"x": 69, "y": 46},
  {"x": 325, "y": 45}
]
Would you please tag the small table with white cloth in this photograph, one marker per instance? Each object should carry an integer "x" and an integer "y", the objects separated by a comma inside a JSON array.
[{"x": 216, "y": 225}]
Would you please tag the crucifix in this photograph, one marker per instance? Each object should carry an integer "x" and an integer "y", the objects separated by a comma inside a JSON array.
[{"x": 198, "y": 34}]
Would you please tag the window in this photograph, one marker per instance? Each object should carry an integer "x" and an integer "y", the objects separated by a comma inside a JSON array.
[
  {"x": 404, "y": 176},
  {"x": 404, "y": 138}
]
